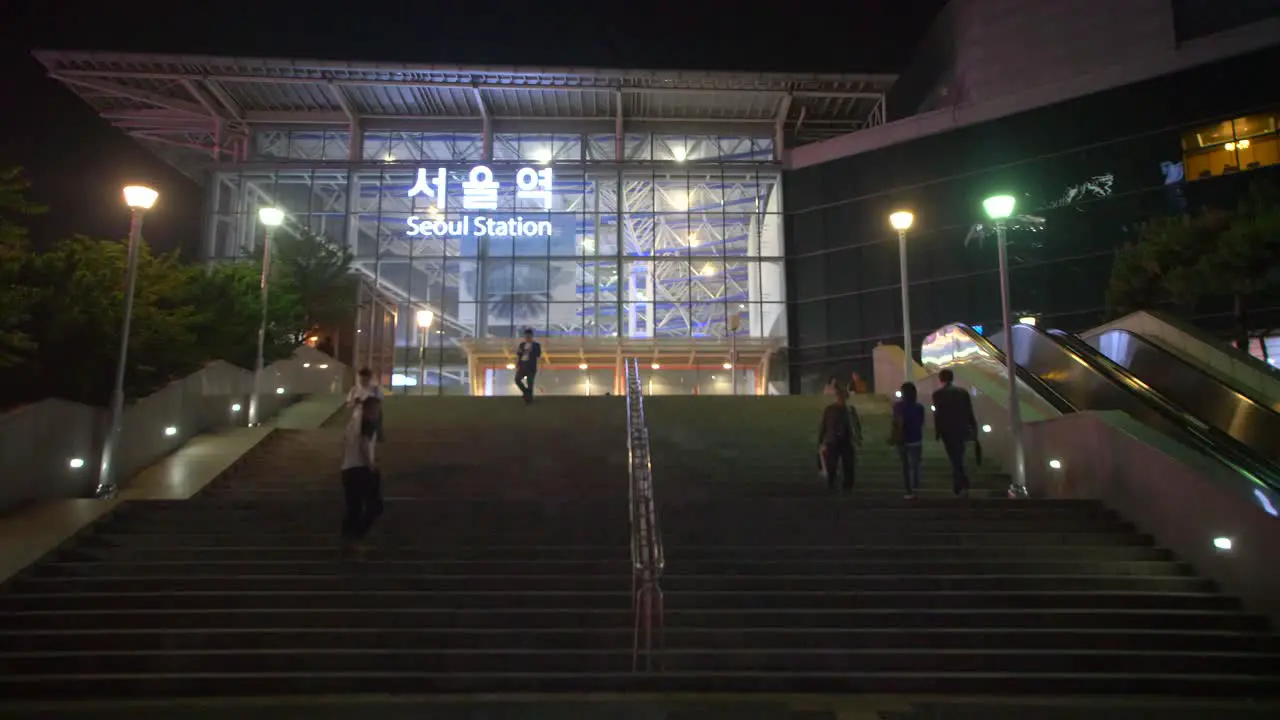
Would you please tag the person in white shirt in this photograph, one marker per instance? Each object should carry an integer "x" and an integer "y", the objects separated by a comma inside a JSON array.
[
  {"x": 365, "y": 387},
  {"x": 361, "y": 482}
]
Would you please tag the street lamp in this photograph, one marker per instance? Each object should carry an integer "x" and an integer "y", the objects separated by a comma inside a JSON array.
[
  {"x": 424, "y": 318},
  {"x": 999, "y": 208},
  {"x": 901, "y": 221},
  {"x": 140, "y": 199},
  {"x": 271, "y": 219}
]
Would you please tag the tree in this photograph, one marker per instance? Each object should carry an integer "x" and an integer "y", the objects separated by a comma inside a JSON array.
[
  {"x": 228, "y": 300},
  {"x": 76, "y": 313},
  {"x": 1215, "y": 254},
  {"x": 319, "y": 272},
  {"x": 15, "y": 298}
]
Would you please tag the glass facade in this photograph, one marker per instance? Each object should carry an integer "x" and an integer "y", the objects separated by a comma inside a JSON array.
[
  {"x": 680, "y": 239},
  {"x": 1093, "y": 169}
]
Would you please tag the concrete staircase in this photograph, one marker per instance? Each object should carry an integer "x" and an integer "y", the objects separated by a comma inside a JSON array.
[
  {"x": 502, "y": 566},
  {"x": 773, "y": 584},
  {"x": 501, "y": 563}
]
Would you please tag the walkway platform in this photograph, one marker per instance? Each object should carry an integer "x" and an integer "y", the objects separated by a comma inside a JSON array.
[{"x": 31, "y": 533}]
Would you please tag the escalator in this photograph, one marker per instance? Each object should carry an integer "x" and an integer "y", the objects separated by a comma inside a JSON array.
[
  {"x": 1201, "y": 394},
  {"x": 1085, "y": 379}
]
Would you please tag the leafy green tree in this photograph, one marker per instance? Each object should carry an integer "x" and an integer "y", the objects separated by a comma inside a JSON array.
[
  {"x": 15, "y": 298},
  {"x": 76, "y": 315},
  {"x": 1212, "y": 255},
  {"x": 228, "y": 301},
  {"x": 319, "y": 272}
]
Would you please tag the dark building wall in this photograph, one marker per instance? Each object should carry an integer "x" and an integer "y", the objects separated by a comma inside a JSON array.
[
  {"x": 1197, "y": 18},
  {"x": 842, "y": 258}
]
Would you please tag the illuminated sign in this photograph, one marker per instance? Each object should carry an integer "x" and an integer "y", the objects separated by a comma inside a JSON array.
[
  {"x": 480, "y": 192},
  {"x": 478, "y": 225}
]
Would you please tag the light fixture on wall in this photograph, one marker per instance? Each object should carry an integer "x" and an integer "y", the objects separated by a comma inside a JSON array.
[
  {"x": 727, "y": 366},
  {"x": 1055, "y": 464},
  {"x": 986, "y": 428},
  {"x": 279, "y": 391},
  {"x": 582, "y": 366},
  {"x": 656, "y": 366},
  {"x": 1223, "y": 543},
  {"x": 75, "y": 463},
  {"x": 170, "y": 431},
  {"x": 235, "y": 407}
]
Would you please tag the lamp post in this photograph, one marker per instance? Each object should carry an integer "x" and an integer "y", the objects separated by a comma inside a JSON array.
[
  {"x": 901, "y": 221},
  {"x": 999, "y": 208},
  {"x": 140, "y": 199},
  {"x": 425, "y": 318},
  {"x": 271, "y": 219}
]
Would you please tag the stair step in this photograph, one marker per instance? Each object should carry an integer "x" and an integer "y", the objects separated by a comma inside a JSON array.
[{"x": 416, "y": 682}]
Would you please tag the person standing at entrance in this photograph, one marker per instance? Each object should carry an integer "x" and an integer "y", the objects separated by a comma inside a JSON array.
[
  {"x": 908, "y": 434},
  {"x": 361, "y": 482},
  {"x": 527, "y": 356},
  {"x": 955, "y": 425},
  {"x": 836, "y": 438}
]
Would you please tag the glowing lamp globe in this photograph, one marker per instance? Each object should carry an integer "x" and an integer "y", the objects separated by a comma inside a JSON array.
[
  {"x": 999, "y": 207},
  {"x": 901, "y": 220},
  {"x": 140, "y": 197}
]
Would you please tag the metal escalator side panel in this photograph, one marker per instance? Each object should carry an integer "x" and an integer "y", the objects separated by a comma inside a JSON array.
[
  {"x": 1121, "y": 390},
  {"x": 958, "y": 345},
  {"x": 1212, "y": 402}
]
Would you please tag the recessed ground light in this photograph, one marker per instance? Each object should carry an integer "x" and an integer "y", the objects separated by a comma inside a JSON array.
[
  {"x": 306, "y": 364},
  {"x": 1055, "y": 464},
  {"x": 75, "y": 463},
  {"x": 279, "y": 391},
  {"x": 235, "y": 407},
  {"x": 986, "y": 428},
  {"x": 1222, "y": 543},
  {"x": 324, "y": 367},
  {"x": 170, "y": 431}
]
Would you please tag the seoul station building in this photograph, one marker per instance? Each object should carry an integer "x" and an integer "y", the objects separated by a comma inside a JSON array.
[{"x": 625, "y": 213}]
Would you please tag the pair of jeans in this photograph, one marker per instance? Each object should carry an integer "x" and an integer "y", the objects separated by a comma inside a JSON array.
[
  {"x": 838, "y": 454},
  {"x": 910, "y": 454},
  {"x": 955, "y": 447},
  {"x": 362, "y": 489},
  {"x": 524, "y": 381}
]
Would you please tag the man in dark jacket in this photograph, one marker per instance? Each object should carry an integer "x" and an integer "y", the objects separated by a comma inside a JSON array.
[
  {"x": 836, "y": 437},
  {"x": 955, "y": 425},
  {"x": 527, "y": 356}
]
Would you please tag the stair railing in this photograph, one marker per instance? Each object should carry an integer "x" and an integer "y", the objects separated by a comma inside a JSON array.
[{"x": 647, "y": 560}]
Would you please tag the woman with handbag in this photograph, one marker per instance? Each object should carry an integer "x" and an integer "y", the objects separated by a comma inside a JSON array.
[{"x": 908, "y": 434}]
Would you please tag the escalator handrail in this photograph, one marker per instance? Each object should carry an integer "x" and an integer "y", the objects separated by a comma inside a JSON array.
[
  {"x": 1028, "y": 378},
  {"x": 1210, "y": 440},
  {"x": 1173, "y": 357},
  {"x": 1231, "y": 351}
]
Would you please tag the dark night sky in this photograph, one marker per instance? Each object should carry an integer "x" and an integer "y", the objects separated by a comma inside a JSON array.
[{"x": 78, "y": 163}]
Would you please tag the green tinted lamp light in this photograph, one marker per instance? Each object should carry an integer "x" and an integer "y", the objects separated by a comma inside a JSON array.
[{"x": 999, "y": 207}]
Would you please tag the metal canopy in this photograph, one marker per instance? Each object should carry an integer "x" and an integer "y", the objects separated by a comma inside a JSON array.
[{"x": 209, "y": 104}]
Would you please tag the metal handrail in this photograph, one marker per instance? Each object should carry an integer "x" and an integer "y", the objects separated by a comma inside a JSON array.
[{"x": 647, "y": 558}]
